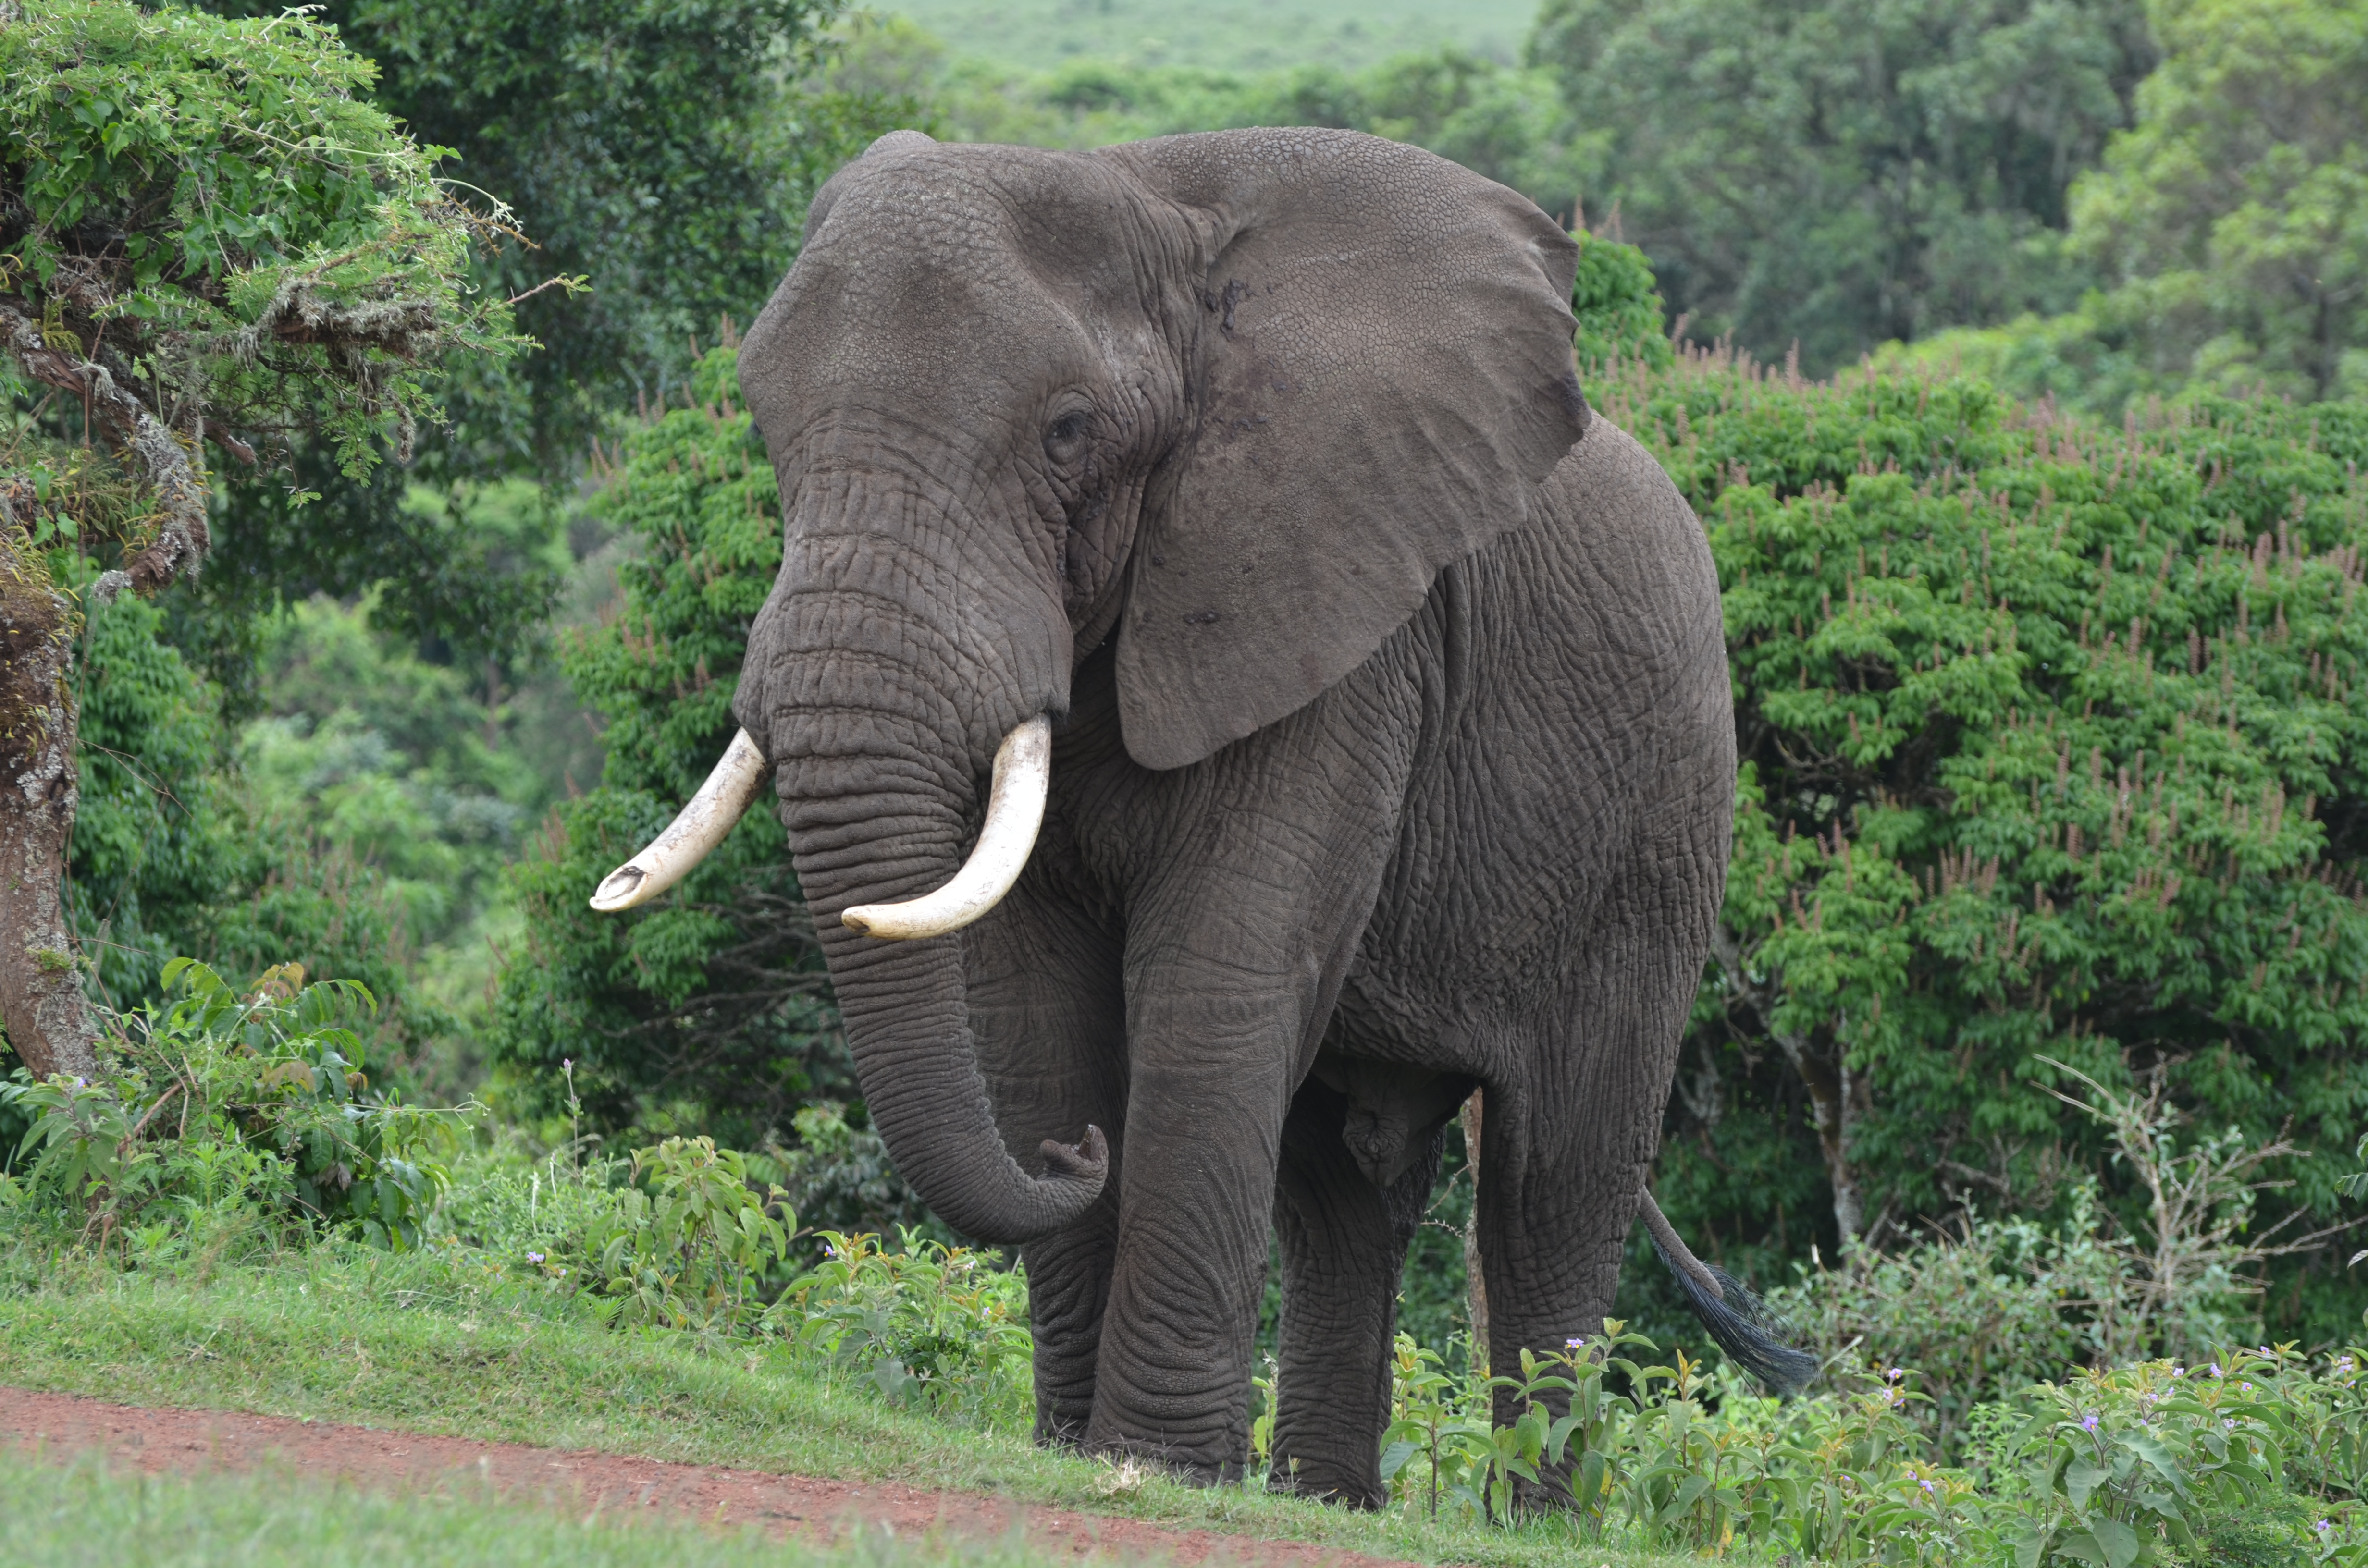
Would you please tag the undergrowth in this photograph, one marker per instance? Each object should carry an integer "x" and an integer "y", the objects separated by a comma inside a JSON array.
[{"x": 240, "y": 1133}]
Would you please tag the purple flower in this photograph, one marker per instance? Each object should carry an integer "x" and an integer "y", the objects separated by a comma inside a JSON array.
[
  {"x": 2247, "y": 1387},
  {"x": 1895, "y": 1374},
  {"x": 534, "y": 1257},
  {"x": 2179, "y": 1372},
  {"x": 2264, "y": 1350},
  {"x": 2088, "y": 1422},
  {"x": 1573, "y": 1343},
  {"x": 2324, "y": 1525},
  {"x": 2216, "y": 1369},
  {"x": 2230, "y": 1425},
  {"x": 1925, "y": 1484},
  {"x": 567, "y": 1061}
]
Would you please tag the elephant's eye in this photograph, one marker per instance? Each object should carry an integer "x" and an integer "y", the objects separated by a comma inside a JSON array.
[{"x": 1065, "y": 435}]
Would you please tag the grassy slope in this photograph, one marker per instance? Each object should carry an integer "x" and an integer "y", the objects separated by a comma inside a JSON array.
[
  {"x": 1223, "y": 35},
  {"x": 401, "y": 1342},
  {"x": 63, "y": 1516}
]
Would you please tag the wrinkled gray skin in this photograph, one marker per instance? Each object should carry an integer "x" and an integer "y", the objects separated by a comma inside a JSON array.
[{"x": 1393, "y": 751}]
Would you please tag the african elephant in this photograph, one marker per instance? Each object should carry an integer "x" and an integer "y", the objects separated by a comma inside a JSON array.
[{"x": 1357, "y": 716}]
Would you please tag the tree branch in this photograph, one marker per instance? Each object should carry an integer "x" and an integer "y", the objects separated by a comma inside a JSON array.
[{"x": 183, "y": 538}]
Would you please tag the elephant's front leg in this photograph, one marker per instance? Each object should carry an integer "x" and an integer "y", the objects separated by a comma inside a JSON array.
[
  {"x": 1230, "y": 980},
  {"x": 1049, "y": 1017},
  {"x": 1213, "y": 1060}
]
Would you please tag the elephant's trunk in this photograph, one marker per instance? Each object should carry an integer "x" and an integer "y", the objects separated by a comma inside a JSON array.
[
  {"x": 859, "y": 845},
  {"x": 1015, "y": 810}
]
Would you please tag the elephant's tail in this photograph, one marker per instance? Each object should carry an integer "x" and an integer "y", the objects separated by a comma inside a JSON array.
[{"x": 1736, "y": 1319}]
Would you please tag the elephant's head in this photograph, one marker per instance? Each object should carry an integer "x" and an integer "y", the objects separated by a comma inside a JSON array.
[{"x": 1232, "y": 399}]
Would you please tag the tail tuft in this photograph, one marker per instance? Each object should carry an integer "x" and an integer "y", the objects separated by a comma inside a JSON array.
[{"x": 1742, "y": 1326}]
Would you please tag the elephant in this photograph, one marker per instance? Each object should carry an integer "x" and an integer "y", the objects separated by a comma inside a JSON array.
[{"x": 1228, "y": 698}]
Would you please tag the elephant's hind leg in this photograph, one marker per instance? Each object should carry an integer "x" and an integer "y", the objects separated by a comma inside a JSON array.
[
  {"x": 1344, "y": 1244},
  {"x": 1573, "y": 1121}
]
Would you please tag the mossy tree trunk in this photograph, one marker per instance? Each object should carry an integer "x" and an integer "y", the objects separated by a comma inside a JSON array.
[{"x": 41, "y": 1004}]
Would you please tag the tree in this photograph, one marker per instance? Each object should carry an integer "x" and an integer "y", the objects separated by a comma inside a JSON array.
[
  {"x": 709, "y": 1007},
  {"x": 1848, "y": 171},
  {"x": 204, "y": 235},
  {"x": 661, "y": 153},
  {"x": 2055, "y": 744},
  {"x": 2232, "y": 218}
]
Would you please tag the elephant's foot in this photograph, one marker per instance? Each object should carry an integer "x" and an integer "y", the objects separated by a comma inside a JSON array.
[
  {"x": 1348, "y": 1490},
  {"x": 1136, "y": 1457},
  {"x": 1065, "y": 1410},
  {"x": 1066, "y": 1437}
]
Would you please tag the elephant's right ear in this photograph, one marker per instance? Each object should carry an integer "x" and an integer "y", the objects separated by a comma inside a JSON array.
[{"x": 1381, "y": 375}]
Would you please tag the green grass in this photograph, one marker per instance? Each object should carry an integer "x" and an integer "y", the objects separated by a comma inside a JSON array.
[
  {"x": 61, "y": 1516},
  {"x": 426, "y": 1345},
  {"x": 1225, "y": 35}
]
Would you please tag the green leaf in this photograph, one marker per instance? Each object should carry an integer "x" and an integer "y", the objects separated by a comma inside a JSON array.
[{"x": 2082, "y": 1477}]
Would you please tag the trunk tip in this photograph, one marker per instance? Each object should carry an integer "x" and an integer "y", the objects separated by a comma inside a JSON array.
[{"x": 1087, "y": 1160}]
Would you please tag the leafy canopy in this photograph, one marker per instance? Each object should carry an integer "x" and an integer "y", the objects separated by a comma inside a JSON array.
[
  {"x": 2056, "y": 742},
  {"x": 210, "y": 210},
  {"x": 1848, "y": 171},
  {"x": 2229, "y": 223},
  {"x": 2234, "y": 214},
  {"x": 663, "y": 150}
]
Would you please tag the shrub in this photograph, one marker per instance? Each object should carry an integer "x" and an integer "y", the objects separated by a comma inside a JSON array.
[
  {"x": 686, "y": 1242},
  {"x": 2255, "y": 1452},
  {"x": 928, "y": 1321},
  {"x": 1993, "y": 1308},
  {"x": 1997, "y": 1304},
  {"x": 223, "y": 1110},
  {"x": 2054, "y": 740}
]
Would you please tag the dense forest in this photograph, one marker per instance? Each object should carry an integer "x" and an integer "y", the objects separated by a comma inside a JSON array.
[{"x": 2015, "y": 356}]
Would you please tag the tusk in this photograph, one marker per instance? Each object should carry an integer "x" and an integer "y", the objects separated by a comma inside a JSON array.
[
  {"x": 1015, "y": 810},
  {"x": 687, "y": 839}
]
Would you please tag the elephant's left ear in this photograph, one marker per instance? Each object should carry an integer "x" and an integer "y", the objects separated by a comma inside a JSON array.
[{"x": 1382, "y": 376}]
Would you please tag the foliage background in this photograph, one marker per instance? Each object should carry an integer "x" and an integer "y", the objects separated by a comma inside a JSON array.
[{"x": 394, "y": 732}]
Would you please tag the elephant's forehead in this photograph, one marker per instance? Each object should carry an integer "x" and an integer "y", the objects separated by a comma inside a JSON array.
[{"x": 944, "y": 277}]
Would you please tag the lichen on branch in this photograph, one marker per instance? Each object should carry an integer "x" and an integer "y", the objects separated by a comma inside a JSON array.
[{"x": 206, "y": 231}]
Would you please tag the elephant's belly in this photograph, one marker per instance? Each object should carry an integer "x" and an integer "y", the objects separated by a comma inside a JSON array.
[{"x": 1393, "y": 1108}]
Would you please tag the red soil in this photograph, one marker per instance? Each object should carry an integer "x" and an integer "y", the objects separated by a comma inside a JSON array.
[{"x": 194, "y": 1441}]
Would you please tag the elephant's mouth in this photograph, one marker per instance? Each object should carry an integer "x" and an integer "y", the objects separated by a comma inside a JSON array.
[{"x": 1015, "y": 810}]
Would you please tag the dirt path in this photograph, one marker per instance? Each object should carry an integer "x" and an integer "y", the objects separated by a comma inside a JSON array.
[{"x": 191, "y": 1441}]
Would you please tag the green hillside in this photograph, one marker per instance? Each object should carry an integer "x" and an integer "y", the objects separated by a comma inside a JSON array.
[{"x": 1233, "y": 35}]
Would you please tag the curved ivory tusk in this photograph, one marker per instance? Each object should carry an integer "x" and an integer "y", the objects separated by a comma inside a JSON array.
[
  {"x": 689, "y": 838},
  {"x": 1015, "y": 810}
]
